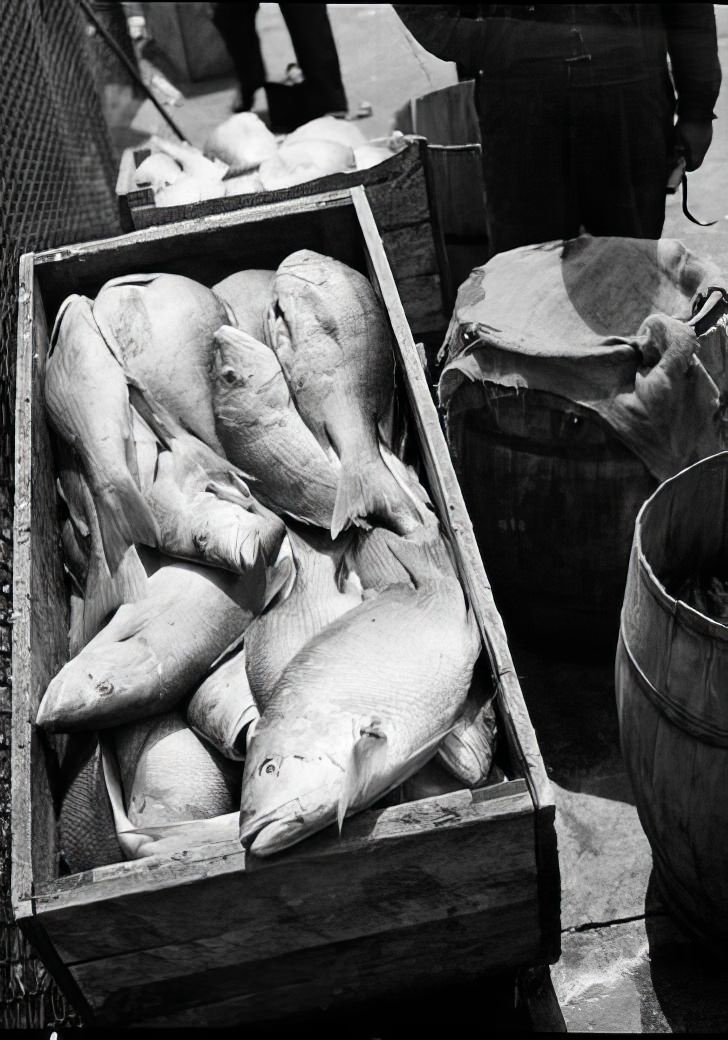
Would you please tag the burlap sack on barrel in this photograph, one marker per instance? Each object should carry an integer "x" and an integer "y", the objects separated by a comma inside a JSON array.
[{"x": 601, "y": 322}]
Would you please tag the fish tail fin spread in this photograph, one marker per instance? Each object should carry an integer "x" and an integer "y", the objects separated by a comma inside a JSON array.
[
  {"x": 124, "y": 518},
  {"x": 369, "y": 489},
  {"x": 424, "y": 560},
  {"x": 467, "y": 752},
  {"x": 105, "y": 592}
]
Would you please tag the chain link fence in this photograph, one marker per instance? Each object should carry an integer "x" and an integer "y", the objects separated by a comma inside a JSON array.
[{"x": 56, "y": 186}]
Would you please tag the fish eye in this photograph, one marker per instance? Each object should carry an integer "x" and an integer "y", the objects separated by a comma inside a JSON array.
[
  {"x": 268, "y": 766},
  {"x": 228, "y": 374}
]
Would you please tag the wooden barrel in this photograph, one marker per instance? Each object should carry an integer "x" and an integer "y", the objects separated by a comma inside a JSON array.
[
  {"x": 553, "y": 497},
  {"x": 672, "y": 695}
]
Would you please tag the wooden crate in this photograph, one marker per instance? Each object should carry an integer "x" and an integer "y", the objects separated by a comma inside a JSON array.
[
  {"x": 449, "y": 120},
  {"x": 413, "y": 895},
  {"x": 399, "y": 194}
]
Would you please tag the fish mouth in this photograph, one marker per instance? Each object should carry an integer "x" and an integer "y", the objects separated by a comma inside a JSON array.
[{"x": 269, "y": 834}]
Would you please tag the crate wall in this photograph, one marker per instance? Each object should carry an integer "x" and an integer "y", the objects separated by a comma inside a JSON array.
[{"x": 56, "y": 186}]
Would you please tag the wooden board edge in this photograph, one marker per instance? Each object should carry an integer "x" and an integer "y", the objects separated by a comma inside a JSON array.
[
  {"x": 537, "y": 995},
  {"x": 548, "y": 882},
  {"x": 443, "y": 262},
  {"x": 36, "y": 936},
  {"x": 208, "y": 224},
  {"x": 144, "y": 213},
  {"x": 457, "y": 520},
  {"x": 21, "y": 882},
  {"x": 153, "y": 874}
]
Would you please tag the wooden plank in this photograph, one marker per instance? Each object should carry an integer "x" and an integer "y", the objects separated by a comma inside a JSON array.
[
  {"x": 463, "y": 947},
  {"x": 334, "y": 899},
  {"x": 454, "y": 515},
  {"x": 40, "y": 631},
  {"x": 460, "y": 190},
  {"x": 411, "y": 822},
  {"x": 422, "y": 302},
  {"x": 536, "y": 992},
  {"x": 411, "y": 252}
]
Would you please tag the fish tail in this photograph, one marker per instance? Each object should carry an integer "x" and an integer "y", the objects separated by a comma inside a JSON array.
[
  {"x": 105, "y": 592},
  {"x": 124, "y": 518},
  {"x": 424, "y": 560},
  {"x": 370, "y": 490}
]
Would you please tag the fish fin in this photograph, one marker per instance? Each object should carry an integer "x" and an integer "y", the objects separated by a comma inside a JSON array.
[
  {"x": 424, "y": 561},
  {"x": 279, "y": 575},
  {"x": 124, "y": 518},
  {"x": 370, "y": 742},
  {"x": 69, "y": 300},
  {"x": 105, "y": 592},
  {"x": 159, "y": 420},
  {"x": 371, "y": 490},
  {"x": 236, "y": 491},
  {"x": 407, "y": 480},
  {"x": 76, "y": 639},
  {"x": 128, "y": 842}
]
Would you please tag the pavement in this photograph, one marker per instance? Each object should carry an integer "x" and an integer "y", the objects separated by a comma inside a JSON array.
[{"x": 625, "y": 966}]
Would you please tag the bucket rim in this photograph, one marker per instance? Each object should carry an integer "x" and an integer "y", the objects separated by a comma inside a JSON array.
[{"x": 688, "y": 615}]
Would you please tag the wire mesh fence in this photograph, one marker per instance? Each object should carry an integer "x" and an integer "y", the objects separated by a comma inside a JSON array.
[{"x": 56, "y": 186}]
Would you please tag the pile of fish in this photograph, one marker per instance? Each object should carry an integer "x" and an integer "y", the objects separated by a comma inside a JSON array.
[
  {"x": 267, "y": 631},
  {"x": 242, "y": 156}
]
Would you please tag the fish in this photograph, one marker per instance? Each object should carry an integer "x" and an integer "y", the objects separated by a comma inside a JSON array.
[
  {"x": 157, "y": 171},
  {"x": 87, "y": 833},
  {"x": 356, "y": 712},
  {"x": 467, "y": 752},
  {"x": 304, "y": 160},
  {"x": 315, "y": 602},
  {"x": 262, "y": 432},
  {"x": 193, "y": 162},
  {"x": 243, "y": 141},
  {"x": 328, "y": 128},
  {"x": 160, "y": 327},
  {"x": 369, "y": 155},
  {"x": 154, "y": 652},
  {"x": 202, "y": 506},
  {"x": 168, "y": 774},
  {"x": 247, "y": 294},
  {"x": 87, "y": 405},
  {"x": 222, "y": 708},
  {"x": 188, "y": 189},
  {"x": 243, "y": 184},
  {"x": 333, "y": 342},
  {"x": 102, "y": 591}
]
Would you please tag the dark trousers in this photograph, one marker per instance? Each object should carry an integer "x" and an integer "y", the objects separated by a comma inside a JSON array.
[
  {"x": 576, "y": 111},
  {"x": 557, "y": 159},
  {"x": 313, "y": 42}
]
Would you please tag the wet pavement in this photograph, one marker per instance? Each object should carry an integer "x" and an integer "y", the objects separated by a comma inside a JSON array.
[{"x": 625, "y": 966}]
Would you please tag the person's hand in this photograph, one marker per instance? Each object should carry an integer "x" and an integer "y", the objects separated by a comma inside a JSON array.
[{"x": 694, "y": 138}]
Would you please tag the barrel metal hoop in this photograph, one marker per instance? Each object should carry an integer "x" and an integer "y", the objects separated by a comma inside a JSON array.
[{"x": 680, "y": 717}]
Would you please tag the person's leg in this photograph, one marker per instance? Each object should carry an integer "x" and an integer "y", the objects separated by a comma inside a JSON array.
[
  {"x": 313, "y": 42},
  {"x": 236, "y": 24},
  {"x": 622, "y": 136},
  {"x": 529, "y": 197}
]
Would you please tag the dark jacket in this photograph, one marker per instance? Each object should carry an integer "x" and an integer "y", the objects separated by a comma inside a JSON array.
[{"x": 685, "y": 32}]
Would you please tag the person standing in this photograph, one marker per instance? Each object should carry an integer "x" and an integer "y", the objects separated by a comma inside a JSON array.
[
  {"x": 313, "y": 42},
  {"x": 577, "y": 108}
]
